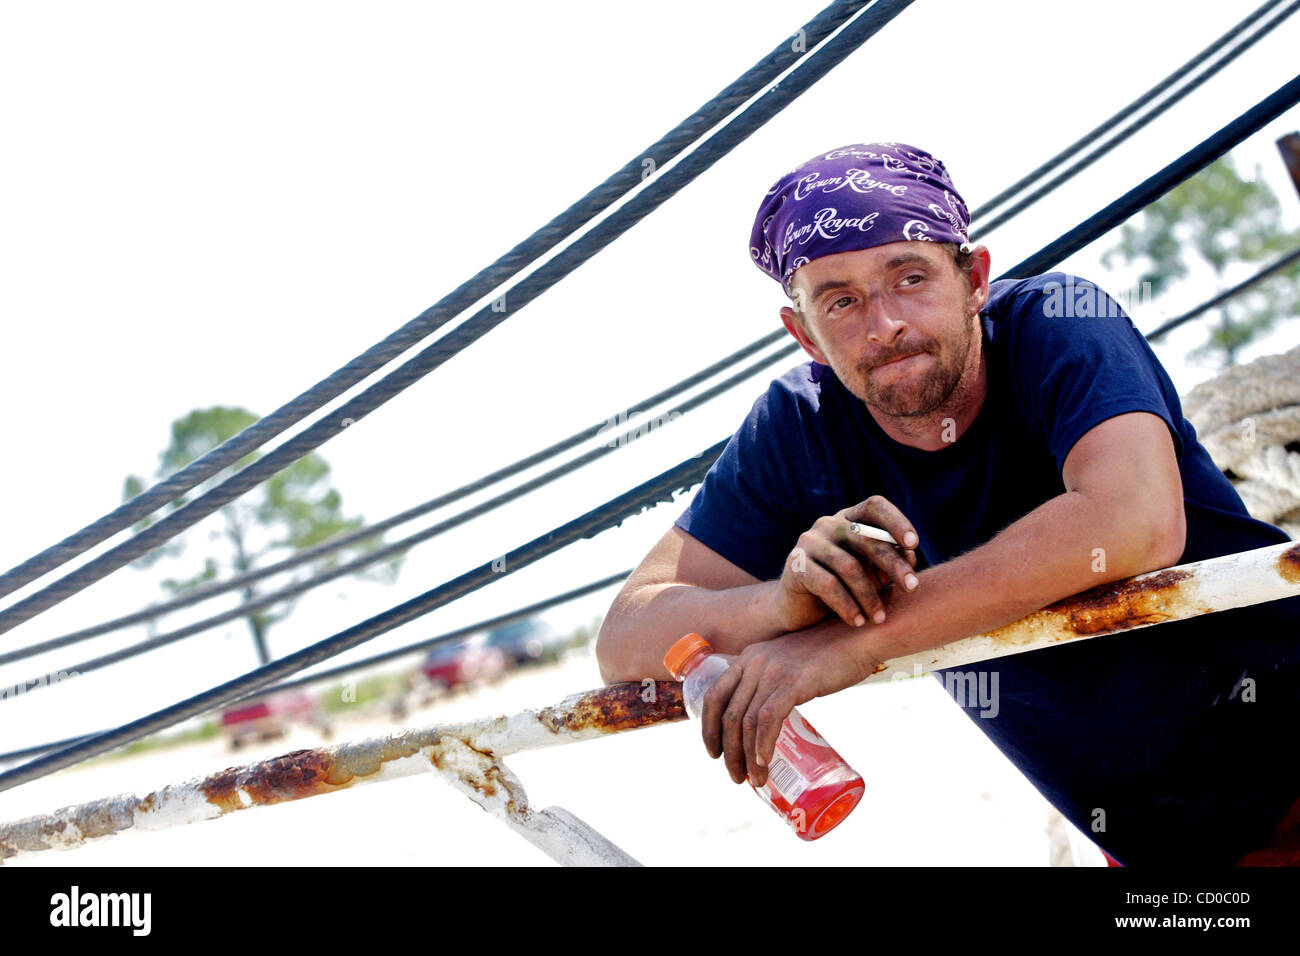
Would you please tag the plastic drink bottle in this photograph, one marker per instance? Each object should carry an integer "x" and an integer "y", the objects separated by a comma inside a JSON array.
[{"x": 808, "y": 783}]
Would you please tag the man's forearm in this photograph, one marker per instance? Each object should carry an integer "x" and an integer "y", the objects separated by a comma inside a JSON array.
[
  {"x": 644, "y": 622},
  {"x": 1066, "y": 545},
  {"x": 1123, "y": 514}
]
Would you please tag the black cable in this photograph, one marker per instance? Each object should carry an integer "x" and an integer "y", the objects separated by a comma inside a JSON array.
[
  {"x": 501, "y": 620},
  {"x": 43, "y": 748},
  {"x": 1070, "y": 151},
  {"x": 273, "y": 598},
  {"x": 690, "y": 471},
  {"x": 512, "y": 616},
  {"x": 1151, "y": 189},
  {"x": 1289, "y": 259},
  {"x": 614, "y": 512},
  {"x": 300, "y": 587},
  {"x": 1161, "y": 182},
  {"x": 610, "y": 514},
  {"x": 625, "y": 180},
  {"x": 490, "y": 623},
  {"x": 1137, "y": 125},
  {"x": 335, "y": 544},
  {"x": 659, "y": 188}
]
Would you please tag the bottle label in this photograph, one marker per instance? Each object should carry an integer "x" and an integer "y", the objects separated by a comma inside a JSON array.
[
  {"x": 786, "y": 780},
  {"x": 806, "y": 777},
  {"x": 802, "y": 746}
]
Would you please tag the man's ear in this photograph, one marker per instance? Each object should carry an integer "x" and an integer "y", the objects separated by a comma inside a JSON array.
[
  {"x": 981, "y": 266},
  {"x": 794, "y": 325}
]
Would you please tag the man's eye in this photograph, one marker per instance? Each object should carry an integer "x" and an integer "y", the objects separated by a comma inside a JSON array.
[
  {"x": 907, "y": 280},
  {"x": 842, "y": 299}
]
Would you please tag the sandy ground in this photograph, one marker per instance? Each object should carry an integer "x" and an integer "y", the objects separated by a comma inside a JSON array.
[{"x": 938, "y": 793}]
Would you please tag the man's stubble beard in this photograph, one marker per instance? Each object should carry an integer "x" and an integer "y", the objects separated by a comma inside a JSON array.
[{"x": 911, "y": 399}]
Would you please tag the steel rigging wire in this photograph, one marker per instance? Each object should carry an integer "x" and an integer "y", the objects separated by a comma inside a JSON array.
[
  {"x": 624, "y": 181},
  {"x": 612, "y": 513}
]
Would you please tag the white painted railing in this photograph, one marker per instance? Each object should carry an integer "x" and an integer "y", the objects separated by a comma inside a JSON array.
[{"x": 469, "y": 755}]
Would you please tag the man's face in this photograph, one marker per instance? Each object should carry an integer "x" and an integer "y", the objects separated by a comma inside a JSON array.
[{"x": 897, "y": 323}]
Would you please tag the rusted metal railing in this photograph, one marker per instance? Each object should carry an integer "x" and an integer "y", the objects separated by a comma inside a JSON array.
[
  {"x": 1188, "y": 590},
  {"x": 468, "y": 755}
]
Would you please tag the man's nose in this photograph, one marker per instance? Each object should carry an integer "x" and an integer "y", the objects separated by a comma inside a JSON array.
[{"x": 884, "y": 325}]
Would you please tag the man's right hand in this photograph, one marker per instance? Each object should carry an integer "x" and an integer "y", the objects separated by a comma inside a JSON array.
[{"x": 832, "y": 570}]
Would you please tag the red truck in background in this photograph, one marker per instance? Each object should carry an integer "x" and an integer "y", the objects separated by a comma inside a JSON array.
[
  {"x": 271, "y": 717},
  {"x": 452, "y": 666}
]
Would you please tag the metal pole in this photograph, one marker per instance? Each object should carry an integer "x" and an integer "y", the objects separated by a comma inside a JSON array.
[
  {"x": 1216, "y": 584},
  {"x": 467, "y": 755}
]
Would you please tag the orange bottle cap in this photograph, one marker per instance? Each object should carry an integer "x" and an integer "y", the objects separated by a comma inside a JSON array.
[{"x": 683, "y": 651}]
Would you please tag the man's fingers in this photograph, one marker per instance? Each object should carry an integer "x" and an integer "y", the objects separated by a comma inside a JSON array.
[
  {"x": 880, "y": 512},
  {"x": 771, "y": 715},
  {"x": 749, "y": 732},
  {"x": 891, "y": 562},
  {"x": 733, "y": 724},
  {"x": 715, "y": 704},
  {"x": 843, "y": 585},
  {"x": 824, "y": 544},
  {"x": 861, "y": 580}
]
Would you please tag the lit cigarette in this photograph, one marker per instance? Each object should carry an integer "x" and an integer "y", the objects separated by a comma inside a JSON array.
[{"x": 867, "y": 531}]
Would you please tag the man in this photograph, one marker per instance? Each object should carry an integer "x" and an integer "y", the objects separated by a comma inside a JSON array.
[{"x": 1019, "y": 452}]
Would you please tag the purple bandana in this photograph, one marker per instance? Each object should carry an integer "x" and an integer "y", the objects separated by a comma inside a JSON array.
[{"x": 851, "y": 198}]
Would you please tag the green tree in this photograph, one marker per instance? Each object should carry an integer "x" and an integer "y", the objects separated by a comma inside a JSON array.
[
  {"x": 1220, "y": 219},
  {"x": 290, "y": 512}
]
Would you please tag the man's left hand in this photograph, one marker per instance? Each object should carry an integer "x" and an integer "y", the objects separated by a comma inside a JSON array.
[{"x": 743, "y": 712}]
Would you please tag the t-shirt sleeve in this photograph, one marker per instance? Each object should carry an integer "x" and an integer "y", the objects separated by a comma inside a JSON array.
[
  {"x": 750, "y": 507},
  {"x": 1077, "y": 360}
]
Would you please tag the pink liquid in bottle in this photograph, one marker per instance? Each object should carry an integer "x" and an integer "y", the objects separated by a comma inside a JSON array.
[{"x": 808, "y": 783}]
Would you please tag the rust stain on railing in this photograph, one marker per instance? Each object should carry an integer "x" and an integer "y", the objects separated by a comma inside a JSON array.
[
  {"x": 483, "y": 775},
  {"x": 1119, "y": 605},
  {"x": 1288, "y": 564},
  {"x": 619, "y": 707},
  {"x": 1123, "y": 604},
  {"x": 469, "y": 755},
  {"x": 306, "y": 773},
  {"x": 466, "y": 752},
  {"x": 302, "y": 773}
]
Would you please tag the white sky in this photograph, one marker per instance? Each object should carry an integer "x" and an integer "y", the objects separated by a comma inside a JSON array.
[{"x": 208, "y": 204}]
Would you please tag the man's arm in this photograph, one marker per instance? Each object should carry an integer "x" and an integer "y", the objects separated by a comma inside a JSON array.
[
  {"x": 684, "y": 586},
  {"x": 1122, "y": 510},
  {"x": 681, "y": 586}
]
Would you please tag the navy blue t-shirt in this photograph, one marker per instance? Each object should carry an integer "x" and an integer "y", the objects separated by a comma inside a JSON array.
[{"x": 1146, "y": 741}]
